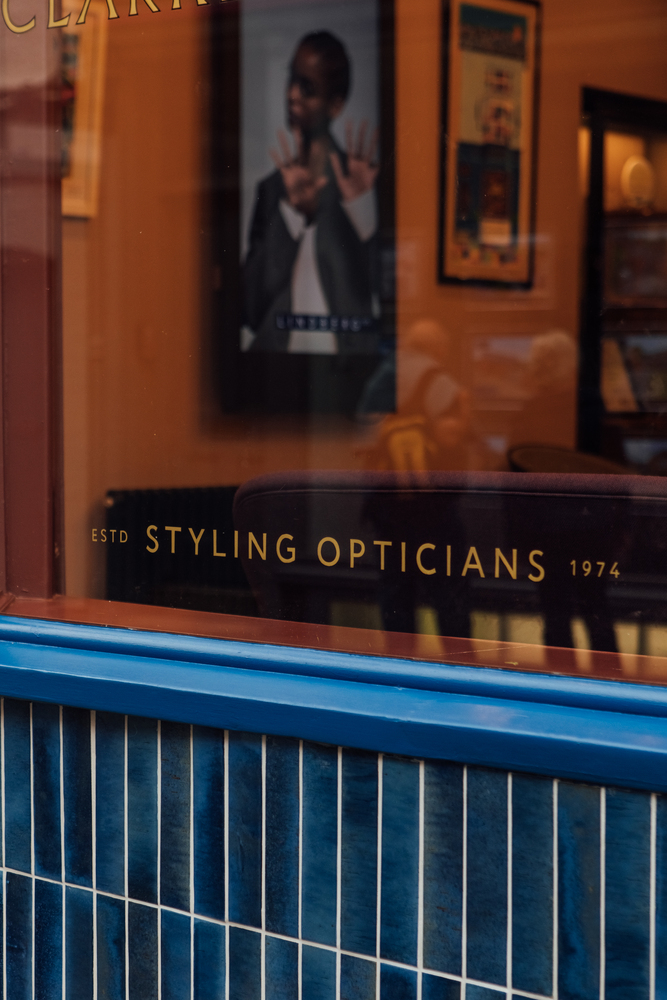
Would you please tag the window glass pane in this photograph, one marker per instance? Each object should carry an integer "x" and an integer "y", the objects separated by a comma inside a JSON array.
[{"x": 365, "y": 322}]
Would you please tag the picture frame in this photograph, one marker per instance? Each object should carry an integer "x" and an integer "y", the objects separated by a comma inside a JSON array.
[
  {"x": 83, "y": 64},
  {"x": 279, "y": 380},
  {"x": 488, "y": 166}
]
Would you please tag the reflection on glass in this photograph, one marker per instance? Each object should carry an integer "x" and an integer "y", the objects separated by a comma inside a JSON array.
[
  {"x": 274, "y": 406},
  {"x": 432, "y": 423}
]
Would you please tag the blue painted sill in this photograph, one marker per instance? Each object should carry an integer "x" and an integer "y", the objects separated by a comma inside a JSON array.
[{"x": 600, "y": 731}]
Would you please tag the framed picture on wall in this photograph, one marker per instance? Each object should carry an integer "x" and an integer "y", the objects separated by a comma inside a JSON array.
[
  {"x": 488, "y": 150},
  {"x": 302, "y": 230},
  {"x": 83, "y": 60}
]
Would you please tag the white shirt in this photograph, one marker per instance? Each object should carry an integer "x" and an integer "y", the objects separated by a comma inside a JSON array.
[{"x": 308, "y": 296}]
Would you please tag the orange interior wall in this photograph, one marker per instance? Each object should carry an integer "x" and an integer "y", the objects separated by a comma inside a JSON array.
[{"x": 610, "y": 45}]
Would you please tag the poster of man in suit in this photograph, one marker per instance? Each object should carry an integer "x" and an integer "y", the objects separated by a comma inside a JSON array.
[{"x": 310, "y": 162}]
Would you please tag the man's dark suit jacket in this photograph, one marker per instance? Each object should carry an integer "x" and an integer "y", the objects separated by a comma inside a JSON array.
[{"x": 346, "y": 265}]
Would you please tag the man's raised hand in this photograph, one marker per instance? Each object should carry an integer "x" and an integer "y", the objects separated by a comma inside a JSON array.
[
  {"x": 301, "y": 184},
  {"x": 362, "y": 169}
]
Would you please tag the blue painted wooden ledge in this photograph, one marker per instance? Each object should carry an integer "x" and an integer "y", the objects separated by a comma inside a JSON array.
[{"x": 601, "y": 731}]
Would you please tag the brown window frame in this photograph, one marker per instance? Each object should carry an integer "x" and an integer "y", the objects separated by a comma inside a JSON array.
[{"x": 30, "y": 326}]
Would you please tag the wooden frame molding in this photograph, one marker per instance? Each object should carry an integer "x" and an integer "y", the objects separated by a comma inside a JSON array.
[
  {"x": 30, "y": 312},
  {"x": 420, "y": 649}
]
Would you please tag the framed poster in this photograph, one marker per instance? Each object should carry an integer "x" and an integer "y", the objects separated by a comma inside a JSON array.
[
  {"x": 489, "y": 130},
  {"x": 303, "y": 203},
  {"x": 83, "y": 61}
]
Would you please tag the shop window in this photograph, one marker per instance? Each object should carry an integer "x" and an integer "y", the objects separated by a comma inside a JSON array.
[{"x": 340, "y": 324}]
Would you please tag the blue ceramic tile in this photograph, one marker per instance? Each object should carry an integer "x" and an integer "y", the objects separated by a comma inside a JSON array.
[
  {"x": 480, "y": 993},
  {"x": 397, "y": 984},
  {"x": 282, "y": 836},
  {"x": 78, "y": 796},
  {"x": 18, "y": 896},
  {"x": 142, "y": 934},
  {"x": 245, "y": 964},
  {"x": 48, "y": 940},
  {"x": 110, "y": 948},
  {"x": 245, "y": 828},
  {"x": 17, "y": 785},
  {"x": 110, "y": 802},
  {"x": 661, "y": 901},
  {"x": 2, "y": 907},
  {"x": 532, "y": 883},
  {"x": 281, "y": 964},
  {"x": 400, "y": 860},
  {"x": 175, "y": 953},
  {"x": 443, "y": 867},
  {"x": 627, "y": 893},
  {"x": 578, "y": 892},
  {"x": 46, "y": 789},
  {"x": 208, "y": 767},
  {"x": 318, "y": 973},
  {"x": 359, "y": 852},
  {"x": 142, "y": 808},
  {"x": 320, "y": 843},
  {"x": 627, "y": 871},
  {"x": 175, "y": 815},
  {"x": 78, "y": 944},
  {"x": 209, "y": 961},
  {"x": 487, "y": 875},
  {"x": 357, "y": 979},
  {"x": 437, "y": 988}
]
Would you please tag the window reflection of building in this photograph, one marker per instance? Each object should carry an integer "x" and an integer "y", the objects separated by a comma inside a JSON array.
[
  {"x": 431, "y": 427},
  {"x": 550, "y": 386}
]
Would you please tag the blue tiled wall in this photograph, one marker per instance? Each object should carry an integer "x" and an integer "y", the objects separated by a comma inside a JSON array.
[{"x": 158, "y": 860}]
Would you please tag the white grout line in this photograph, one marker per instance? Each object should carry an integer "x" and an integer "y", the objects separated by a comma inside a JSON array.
[
  {"x": 93, "y": 835},
  {"x": 126, "y": 862},
  {"x": 524, "y": 993},
  {"x": 299, "y": 940},
  {"x": 32, "y": 851},
  {"x": 63, "y": 893},
  {"x": 4, "y": 875},
  {"x": 2, "y": 780},
  {"x": 554, "y": 957},
  {"x": 4, "y": 934},
  {"x": 339, "y": 846},
  {"x": 63, "y": 876},
  {"x": 300, "y": 876},
  {"x": 652, "y": 893},
  {"x": 263, "y": 889},
  {"x": 420, "y": 882},
  {"x": 192, "y": 864},
  {"x": 226, "y": 855},
  {"x": 61, "y": 797},
  {"x": 464, "y": 899},
  {"x": 337, "y": 949},
  {"x": 287, "y": 937},
  {"x": 378, "y": 912},
  {"x": 339, "y": 852},
  {"x": 510, "y": 834},
  {"x": 603, "y": 889},
  {"x": 93, "y": 792},
  {"x": 503, "y": 992},
  {"x": 159, "y": 856}
]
